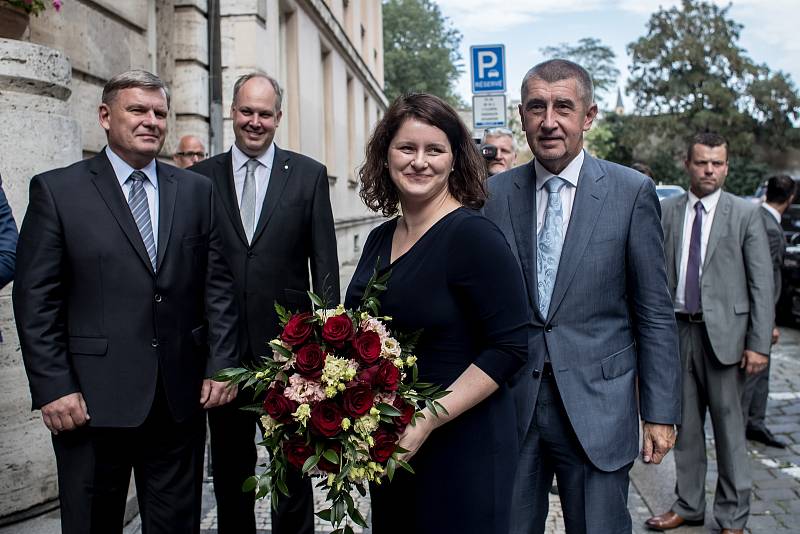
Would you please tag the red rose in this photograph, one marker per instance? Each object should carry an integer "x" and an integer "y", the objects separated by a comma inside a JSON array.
[
  {"x": 297, "y": 451},
  {"x": 357, "y": 399},
  {"x": 367, "y": 376},
  {"x": 368, "y": 346},
  {"x": 406, "y": 412},
  {"x": 278, "y": 406},
  {"x": 325, "y": 465},
  {"x": 297, "y": 329},
  {"x": 385, "y": 445},
  {"x": 387, "y": 376},
  {"x": 337, "y": 330},
  {"x": 326, "y": 418},
  {"x": 310, "y": 360}
]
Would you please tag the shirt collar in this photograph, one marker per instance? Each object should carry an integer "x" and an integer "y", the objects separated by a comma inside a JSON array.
[
  {"x": 571, "y": 172},
  {"x": 240, "y": 158},
  {"x": 123, "y": 170},
  {"x": 772, "y": 211},
  {"x": 709, "y": 201}
]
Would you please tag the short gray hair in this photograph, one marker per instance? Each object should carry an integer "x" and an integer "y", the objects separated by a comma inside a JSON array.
[
  {"x": 257, "y": 74},
  {"x": 500, "y": 132},
  {"x": 133, "y": 79},
  {"x": 555, "y": 70}
]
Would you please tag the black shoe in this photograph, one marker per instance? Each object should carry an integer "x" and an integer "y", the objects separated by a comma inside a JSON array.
[{"x": 762, "y": 435}]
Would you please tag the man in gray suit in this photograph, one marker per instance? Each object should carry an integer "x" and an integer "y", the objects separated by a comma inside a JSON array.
[
  {"x": 780, "y": 194},
  {"x": 720, "y": 278},
  {"x": 586, "y": 233}
]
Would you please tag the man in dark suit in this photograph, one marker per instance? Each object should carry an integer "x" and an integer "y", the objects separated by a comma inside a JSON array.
[
  {"x": 125, "y": 307},
  {"x": 587, "y": 235},
  {"x": 780, "y": 194},
  {"x": 720, "y": 278},
  {"x": 277, "y": 227}
]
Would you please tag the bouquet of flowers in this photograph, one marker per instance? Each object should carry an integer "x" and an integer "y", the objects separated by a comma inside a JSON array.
[{"x": 340, "y": 389}]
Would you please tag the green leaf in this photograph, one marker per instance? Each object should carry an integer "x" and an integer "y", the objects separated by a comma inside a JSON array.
[
  {"x": 280, "y": 349},
  {"x": 357, "y": 518},
  {"x": 250, "y": 484},
  {"x": 331, "y": 456},
  {"x": 325, "y": 515},
  {"x": 388, "y": 409},
  {"x": 391, "y": 465},
  {"x": 349, "y": 530},
  {"x": 283, "y": 315},
  {"x": 316, "y": 300},
  {"x": 310, "y": 463},
  {"x": 281, "y": 485},
  {"x": 405, "y": 466}
]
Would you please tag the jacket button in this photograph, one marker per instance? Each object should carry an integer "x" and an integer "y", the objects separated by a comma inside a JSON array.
[
  {"x": 154, "y": 343},
  {"x": 251, "y": 254},
  {"x": 536, "y": 373},
  {"x": 548, "y": 328},
  {"x": 158, "y": 297}
]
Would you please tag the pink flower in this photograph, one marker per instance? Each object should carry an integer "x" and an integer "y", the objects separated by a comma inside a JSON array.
[
  {"x": 304, "y": 390},
  {"x": 57, "y": 4}
]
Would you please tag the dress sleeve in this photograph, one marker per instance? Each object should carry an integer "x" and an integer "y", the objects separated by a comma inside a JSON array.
[{"x": 482, "y": 270}]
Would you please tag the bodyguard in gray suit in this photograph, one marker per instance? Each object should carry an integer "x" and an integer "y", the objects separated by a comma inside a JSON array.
[
  {"x": 780, "y": 194},
  {"x": 586, "y": 233},
  {"x": 720, "y": 278}
]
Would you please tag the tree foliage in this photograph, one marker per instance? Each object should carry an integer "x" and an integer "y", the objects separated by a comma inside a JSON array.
[
  {"x": 591, "y": 54},
  {"x": 420, "y": 50}
]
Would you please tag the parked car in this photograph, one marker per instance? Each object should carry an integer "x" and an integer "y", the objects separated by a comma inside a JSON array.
[
  {"x": 665, "y": 191},
  {"x": 788, "y": 308}
]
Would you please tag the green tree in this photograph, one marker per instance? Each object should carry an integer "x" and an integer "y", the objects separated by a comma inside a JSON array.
[
  {"x": 420, "y": 50},
  {"x": 591, "y": 54}
]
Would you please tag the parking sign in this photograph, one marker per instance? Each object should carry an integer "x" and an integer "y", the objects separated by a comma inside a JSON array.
[{"x": 488, "y": 68}]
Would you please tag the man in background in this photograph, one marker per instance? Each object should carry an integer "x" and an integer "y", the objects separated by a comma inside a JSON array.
[
  {"x": 780, "y": 194},
  {"x": 8, "y": 241},
  {"x": 190, "y": 151},
  {"x": 504, "y": 154}
]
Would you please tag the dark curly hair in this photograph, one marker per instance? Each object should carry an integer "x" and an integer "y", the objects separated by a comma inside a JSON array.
[{"x": 466, "y": 181}]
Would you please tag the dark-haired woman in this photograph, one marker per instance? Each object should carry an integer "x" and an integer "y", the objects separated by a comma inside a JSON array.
[{"x": 453, "y": 276}]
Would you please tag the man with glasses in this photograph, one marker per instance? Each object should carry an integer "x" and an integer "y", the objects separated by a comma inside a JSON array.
[
  {"x": 503, "y": 155},
  {"x": 190, "y": 151}
]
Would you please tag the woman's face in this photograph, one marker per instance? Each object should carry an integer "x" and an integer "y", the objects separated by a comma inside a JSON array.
[{"x": 420, "y": 160}]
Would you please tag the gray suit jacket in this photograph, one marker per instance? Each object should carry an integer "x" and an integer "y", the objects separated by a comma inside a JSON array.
[
  {"x": 610, "y": 317},
  {"x": 777, "y": 249},
  {"x": 736, "y": 288}
]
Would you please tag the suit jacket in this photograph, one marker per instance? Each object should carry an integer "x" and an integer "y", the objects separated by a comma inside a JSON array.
[
  {"x": 91, "y": 314},
  {"x": 736, "y": 287},
  {"x": 294, "y": 231},
  {"x": 777, "y": 249},
  {"x": 8, "y": 241},
  {"x": 610, "y": 318}
]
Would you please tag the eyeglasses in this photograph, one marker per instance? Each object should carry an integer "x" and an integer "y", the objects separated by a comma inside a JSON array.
[
  {"x": 192, "y": 154},
  {"x": 498, "y": 131}
]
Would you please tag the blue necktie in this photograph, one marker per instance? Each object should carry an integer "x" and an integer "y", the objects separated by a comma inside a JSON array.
[
  {"x": 137, "y": 200},
  {"x": 692, "y": 290},
  {"x": 549, "y": 243}
]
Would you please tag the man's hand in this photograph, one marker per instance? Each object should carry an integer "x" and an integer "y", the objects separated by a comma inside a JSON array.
[
  {"x": 65, "y": 413},
  {"x": 776, "y": 335},
  {"x": 214, "y": 393},
  {"x": 657, "y": 441},
  {"x": 753, "y": 362}
]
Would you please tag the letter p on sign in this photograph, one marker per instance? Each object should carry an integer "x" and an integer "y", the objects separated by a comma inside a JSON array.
[{"x": 486, "y": 60}]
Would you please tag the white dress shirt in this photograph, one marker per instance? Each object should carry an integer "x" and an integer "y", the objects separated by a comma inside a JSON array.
[
  {"x": 772, "y": 211},
  {"x": 263, "y": 171},
  {"x": 570, "y": 173},
  {"x": 709, "y": 209},
  {"x": 123, "y": 172}
]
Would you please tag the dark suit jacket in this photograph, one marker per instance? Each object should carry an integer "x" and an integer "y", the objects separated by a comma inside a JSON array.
[
  {"x": 610, "y": 318},
  {"x": 777, "y": 248},
  {"x": 294, "y": 231},
  {"x": 8, "y": 240},
  {"x": 91, "y": 314}
]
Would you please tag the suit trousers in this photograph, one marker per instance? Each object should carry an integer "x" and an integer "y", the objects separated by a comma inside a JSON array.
[
  {"x": 592, "y": 500},
  {"x": 710, "y": 386},
  {"x": 754, "y": 400},
  {"x": 233, "y": 457},
  {"x": 94, "y": 469}
]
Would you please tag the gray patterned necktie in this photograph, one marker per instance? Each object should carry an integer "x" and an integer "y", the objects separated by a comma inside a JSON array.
[
  {"x": 137, "y": 200},
  {"x": 248, "y": 206},
  {"x": 549, "y": 243}
]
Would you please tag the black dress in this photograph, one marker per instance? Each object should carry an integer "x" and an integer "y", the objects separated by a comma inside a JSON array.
[{"x": 461, "y": 284}]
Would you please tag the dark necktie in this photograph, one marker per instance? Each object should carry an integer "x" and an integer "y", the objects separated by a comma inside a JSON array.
[
  {"x": 137, "y": 200},
  {"x": 692, "y": 294}
]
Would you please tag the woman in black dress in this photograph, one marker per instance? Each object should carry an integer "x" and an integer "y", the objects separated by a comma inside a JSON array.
[{"x": 453, "y": 276}]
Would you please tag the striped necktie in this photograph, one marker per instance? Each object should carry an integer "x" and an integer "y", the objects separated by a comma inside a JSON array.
[{"x": 137, "y": 200}]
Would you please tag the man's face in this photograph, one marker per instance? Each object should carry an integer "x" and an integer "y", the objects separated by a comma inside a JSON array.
[
  {"x": 707, "y": 169},
  {"x": 506, "y": 155},
  {"x": 554, "y": 119},
  {"x": 190, "y": 151},
  {"x": 135, "y": 122},
  {"x": 254, "y": 116}
]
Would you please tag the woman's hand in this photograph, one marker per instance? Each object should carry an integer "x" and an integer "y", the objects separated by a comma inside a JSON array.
[{"x": 415, "y": 435}]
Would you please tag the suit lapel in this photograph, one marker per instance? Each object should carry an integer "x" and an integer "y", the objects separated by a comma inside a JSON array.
[
  {"x": 223, "y": 180},
  {"x": 167, "y": 191},
  {"x": 522, "y": 207},
  {"x": 678, "y": 220},
  {"x": 720, "y": 222},
  {"x": 278, "y": 178},
  {"x": 105, "y": 180},
  {"x": 589, "y": 199}
]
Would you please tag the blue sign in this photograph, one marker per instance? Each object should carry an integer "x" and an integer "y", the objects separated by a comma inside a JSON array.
[{"x": 488, "y": 68}]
